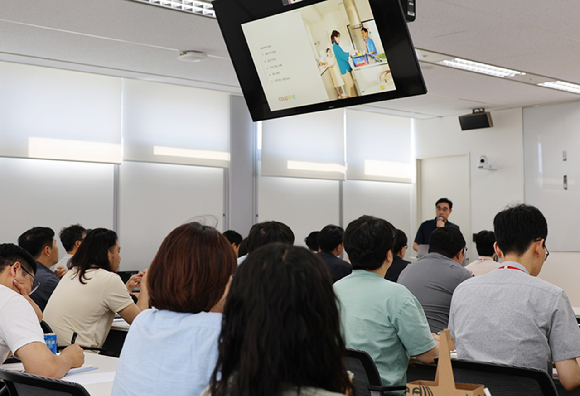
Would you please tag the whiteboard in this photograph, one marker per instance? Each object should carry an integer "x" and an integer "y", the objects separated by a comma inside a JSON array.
[
  {"x": 156, "y": 198},
  {"x": 549, "y": 131},
  {"x": 53, "y": 194}
]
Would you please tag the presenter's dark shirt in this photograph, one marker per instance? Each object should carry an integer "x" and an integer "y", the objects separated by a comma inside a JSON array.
[
  {"x": 338, "y": 268},
  {"x": 48, "y": 281},
  {"x": 426, "y": 228},
  {"x": 395, "y": 269}
]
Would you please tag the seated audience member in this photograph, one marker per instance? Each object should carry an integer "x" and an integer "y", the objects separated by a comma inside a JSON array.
[
  {"x": 399, "y": 251},
  {"x": 267, "y": 232},
  {"x": 91, "y": 293},
  {"x": 71, "y": 238},
  {"x": 330, "y": 242},
  {"x": 484, "y": 241},
  {"x": 281, "y": 332},
  {"x": 510, "y": 316},
  {"x": 312, "y": 241},
  {"x": 381, "y": 317},
  {"x": 20, "y": 330},
  {"x": 235, "y": 238},
  {"x": 177, "y": 341},
  {"x": 243, "y": 248},
  {"x": 40, "y": 243},
  {"x": 434, "y": 277}
]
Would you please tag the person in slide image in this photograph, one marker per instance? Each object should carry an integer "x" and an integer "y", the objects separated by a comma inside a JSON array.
[
  {"x": 342, "y": 58},
  {"x": 335, "y": 75},
  {"x": 371, "y": 49},
  {"x": 172, "y": 349},
  {"x": 281, "y": 330}
]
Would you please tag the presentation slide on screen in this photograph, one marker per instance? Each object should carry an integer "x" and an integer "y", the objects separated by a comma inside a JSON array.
[{"x": 318, "y": 53}]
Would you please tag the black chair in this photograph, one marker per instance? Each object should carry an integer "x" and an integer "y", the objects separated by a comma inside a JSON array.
[
  {"x": 45, "y": 327},
  {"x": 367, "y": 380},
  {"x": 23, "y": 384},
  {"x": 500, "y": 379}
]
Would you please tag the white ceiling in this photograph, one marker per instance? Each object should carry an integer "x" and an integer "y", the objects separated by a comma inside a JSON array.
[{"x": 130, "y": 39}]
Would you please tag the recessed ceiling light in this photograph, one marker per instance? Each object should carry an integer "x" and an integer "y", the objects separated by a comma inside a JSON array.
[
  {"x": 477, "y": 67},
  {"x": 562, "y": 86},
  {"x": 191, "y": 6}
]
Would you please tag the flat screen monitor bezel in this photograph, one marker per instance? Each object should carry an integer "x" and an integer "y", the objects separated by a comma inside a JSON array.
[{"x": 392, "y": 28}]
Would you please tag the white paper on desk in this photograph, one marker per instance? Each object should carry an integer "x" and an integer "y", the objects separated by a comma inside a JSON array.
[{"x": 91, "y": 378}]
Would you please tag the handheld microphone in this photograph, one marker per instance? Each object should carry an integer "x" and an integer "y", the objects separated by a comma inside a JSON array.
[{"x": 440, "y": 218}]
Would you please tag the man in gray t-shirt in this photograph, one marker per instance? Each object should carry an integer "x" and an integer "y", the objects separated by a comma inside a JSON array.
[
  {"x": 508, "y": 315},
  {"x": 433, "y": 278}
]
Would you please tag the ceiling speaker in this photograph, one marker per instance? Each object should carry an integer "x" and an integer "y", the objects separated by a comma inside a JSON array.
[{"x": 479, "y": 119}]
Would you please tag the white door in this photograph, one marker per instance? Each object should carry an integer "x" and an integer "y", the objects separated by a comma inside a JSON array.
[{"x": 446, "y": 177}]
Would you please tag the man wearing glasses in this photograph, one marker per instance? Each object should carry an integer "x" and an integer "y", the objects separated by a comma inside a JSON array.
[
  {"x": 40, "y": 243},
  {"x": 443, "y": 208},
  {"x": 20, "y": 330},
  {"x": 510, "y": 316}
]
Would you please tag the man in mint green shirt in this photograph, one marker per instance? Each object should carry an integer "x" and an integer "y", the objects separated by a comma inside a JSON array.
[{"x": 378, "y": 316}]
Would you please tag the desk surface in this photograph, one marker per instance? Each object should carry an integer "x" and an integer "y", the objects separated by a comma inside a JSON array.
[
  {"x": 105, "y": 364},
  {"x": 97, "y": 382}
]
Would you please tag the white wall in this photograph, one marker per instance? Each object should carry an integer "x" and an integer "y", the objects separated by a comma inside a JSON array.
[{"x": 491, "y": 191}]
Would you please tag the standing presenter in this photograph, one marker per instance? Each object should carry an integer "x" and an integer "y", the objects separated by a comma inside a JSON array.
[{"x": 443, "y": 208}]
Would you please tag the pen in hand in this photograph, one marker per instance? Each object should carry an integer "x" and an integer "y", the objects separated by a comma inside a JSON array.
[{"x": 74, "y": 338}]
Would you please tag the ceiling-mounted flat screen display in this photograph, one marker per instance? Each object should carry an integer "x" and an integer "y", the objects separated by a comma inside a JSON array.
[{"x": 319, "y": 55}]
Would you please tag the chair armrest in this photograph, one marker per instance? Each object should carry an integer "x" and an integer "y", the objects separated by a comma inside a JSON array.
[{"x": 386, "y": 388}]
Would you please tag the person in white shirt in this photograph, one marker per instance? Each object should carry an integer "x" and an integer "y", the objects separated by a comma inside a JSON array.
[
  {"x": 485, "y": 263},
  {"x": 20, "y": 331},
  {"x": 71, "y": 238}
]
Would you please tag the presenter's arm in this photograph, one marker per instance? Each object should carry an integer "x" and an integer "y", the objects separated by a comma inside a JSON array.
[
  {"x": 569, "y": 373},
  {"x": 415, "y": 246},
  {"x": 130, "y": 312},
  {"x": 39, "y": 360}
]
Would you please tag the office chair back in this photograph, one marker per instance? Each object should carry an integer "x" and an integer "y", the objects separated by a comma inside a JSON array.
[
  {"x": 500, "y": 379},
  {"x": 23, "y": 384},
  {"x": 367, "y": 380}
]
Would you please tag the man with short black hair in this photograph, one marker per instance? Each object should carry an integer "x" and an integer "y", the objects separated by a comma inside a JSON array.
[
  {"x": 484, "y": 241},
  {"x": 234, "y": 238},
  {"x": 40, "y": 243},
  {"x": 330, "y": 243},
  {"x": 381, "y": 317},
  {"x": 71, "y": 238},
  {"x": 434, "y": 277},
  {"x": 510, "y": 316},
  {"x": 443, "y": 208},
  {"x": 399, "y": 262},
  {"x": 267, "y": 232},
  {"x": 20, "y": 330}
]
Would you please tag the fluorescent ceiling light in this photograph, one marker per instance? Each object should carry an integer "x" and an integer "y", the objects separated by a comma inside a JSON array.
[
  {"x": 74, "y": 150},
  {"x": 192, "y": 6},
  {"x": 387, "y": 169},
  {"x": 186, "y": 153},
  {"x": 562, "y": 86},
  {"x": 316, "y": 167},
  {"x": 477, "y": 67}
]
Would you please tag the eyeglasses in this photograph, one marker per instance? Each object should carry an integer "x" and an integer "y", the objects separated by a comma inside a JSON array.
[
  {"x": 544, "y": 246},
  {"x": 35, "y": 283}
]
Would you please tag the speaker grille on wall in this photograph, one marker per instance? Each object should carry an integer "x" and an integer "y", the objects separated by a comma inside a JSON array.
[{"x": 476, "y": 120}]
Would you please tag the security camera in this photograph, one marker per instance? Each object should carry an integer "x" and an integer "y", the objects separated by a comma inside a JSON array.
[{"x": 482, "y": 163}]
